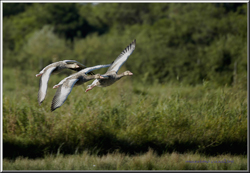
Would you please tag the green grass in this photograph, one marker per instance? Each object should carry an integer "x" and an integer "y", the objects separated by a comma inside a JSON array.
[
  {"x": 118, "y": 161},
  {"x": 128, "y": 116}
]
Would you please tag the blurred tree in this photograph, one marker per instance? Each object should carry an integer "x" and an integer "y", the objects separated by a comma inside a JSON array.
[
  {"x": 66, "y": 20},
  {"x": 229, "y": 6},
  {"x": 17, "y": 28},
  {"x": 121, "y": 14},
  {"x": 43, "y": 47},
  {"x": 10, "y": 9},
  {"x": 98, "y": 25},
  {"x": 177, "y": 42}
]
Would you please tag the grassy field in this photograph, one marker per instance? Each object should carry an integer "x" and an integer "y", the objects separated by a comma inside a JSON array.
[
  {"x": 125, "y": 120},
  {"x": 118, "y": 161}
]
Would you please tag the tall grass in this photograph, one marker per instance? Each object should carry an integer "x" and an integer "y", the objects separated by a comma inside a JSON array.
[
  {"x": 128, "y": 116},
  {"x": 119, "y": 161}
]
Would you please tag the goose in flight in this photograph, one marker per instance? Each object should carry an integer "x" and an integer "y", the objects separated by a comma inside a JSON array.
[
  {"x": 67, "y": 84},
  {"x": 55, "y": 68},
  {"x": 111, "y": 75}
]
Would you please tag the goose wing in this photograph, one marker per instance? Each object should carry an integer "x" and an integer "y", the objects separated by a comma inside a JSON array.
[
  {"x": 62, "y": 93},
  {"x": 43, "y": 83},
  {"x": 89, "y": 69},
  {"x": 45, "y": 68},
  {"x": 62, "y": 81},
  {"x": 85, "y": 71},
  {"x": 122, "y": 57}
]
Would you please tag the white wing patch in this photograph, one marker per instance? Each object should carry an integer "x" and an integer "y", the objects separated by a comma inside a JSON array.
[
  {"x": 44, "y": 82},
  {"x": 117, "y": 65}
]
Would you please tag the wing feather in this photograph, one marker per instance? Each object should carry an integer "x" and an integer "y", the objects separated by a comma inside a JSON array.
[
  {"x": 62, "y": 93},
  {"x": 122, "y": 57},
  {"x": 89, "y": 69}
]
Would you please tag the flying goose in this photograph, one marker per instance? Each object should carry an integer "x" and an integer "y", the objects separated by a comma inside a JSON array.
[
  {"x": 111, "y": 75},
  {"x": 55, "y": 68},
  {"x": 67, "y": 84}
]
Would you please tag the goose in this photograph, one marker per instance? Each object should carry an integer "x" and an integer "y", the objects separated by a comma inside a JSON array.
[
  {"x": 55, "y": 68},
  {"x": 111, "y": 75},
  {"x": 66, "y": 85}
]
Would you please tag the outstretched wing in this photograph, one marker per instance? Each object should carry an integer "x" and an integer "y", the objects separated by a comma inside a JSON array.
[
  {"x": 89, "y": 69},
  {"x": 62, "y": 81},
  {"x": 44, "y": 69},
  {"x": 43, "y": 84},
  {"x": 62, "y": 93},
  {"x": 122, "y": 57}
]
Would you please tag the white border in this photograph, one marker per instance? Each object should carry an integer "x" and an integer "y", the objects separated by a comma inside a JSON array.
[{"x": 128, "y": 1}]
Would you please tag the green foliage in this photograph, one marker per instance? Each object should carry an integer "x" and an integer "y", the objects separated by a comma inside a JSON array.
[
  {"x": 178, "y": 43},
  {"x": 66, "y": 20},
  {"x": 222, "y": 56},
  {"x": 10, "y": 9},
  {"x": 43, "y": 44}
]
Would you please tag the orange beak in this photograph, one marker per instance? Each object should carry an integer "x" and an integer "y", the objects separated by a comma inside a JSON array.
[{"x": 38, "y": 75}]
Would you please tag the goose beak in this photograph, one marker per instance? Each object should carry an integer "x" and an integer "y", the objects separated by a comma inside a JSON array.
[
  {"x": 130, "y": 74},
  {"x": 104, "y": 77},
  {"x": 77, "y": 66},
  {"x": 38, "y": 75},
  {"x": 88, "y": 89},
  {"x": 56, "y": 86}
]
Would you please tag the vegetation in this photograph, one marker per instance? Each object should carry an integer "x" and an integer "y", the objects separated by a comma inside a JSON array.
[
  {"x": 192, "y": 42},
  {"x": 131, "y": 119},
  {"x": 118, "y": 161},
  {"x": 187, "y": 98}
]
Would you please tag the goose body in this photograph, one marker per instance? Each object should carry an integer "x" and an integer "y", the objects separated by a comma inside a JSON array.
[
  {"x": 55, "y": 68},
  {"x": 111, "y": 75},
  {"x": 66, "y": 85}
]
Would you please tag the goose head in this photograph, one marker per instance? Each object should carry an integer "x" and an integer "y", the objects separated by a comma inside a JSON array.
[
  {"x": 73, "y": 65},
  {"x": 127, "y": 73},
  {"x": 98, "y": 76}
]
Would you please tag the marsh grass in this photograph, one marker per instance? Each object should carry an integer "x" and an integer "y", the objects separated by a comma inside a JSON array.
[
  {"x": 119, "y": 161},
  {"x": 127, "y": 116}
]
